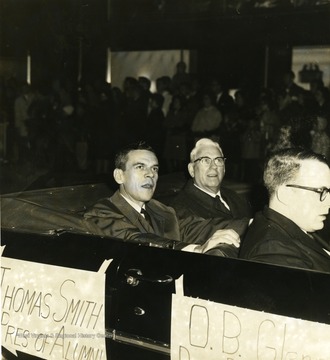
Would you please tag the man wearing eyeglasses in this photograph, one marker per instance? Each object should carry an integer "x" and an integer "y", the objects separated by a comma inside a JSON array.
[
  {"x": 285, "y": 232},
  {"x": 132, "y": 214},
  {"x": 203, "y": 195}
]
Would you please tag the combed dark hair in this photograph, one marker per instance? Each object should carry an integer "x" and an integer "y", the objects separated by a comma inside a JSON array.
[
  {"x": 122, "y": 155},
  {"x": 283, "y": 165}
]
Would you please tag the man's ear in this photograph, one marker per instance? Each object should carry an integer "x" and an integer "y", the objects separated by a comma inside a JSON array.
[
  {"x": 118, "y": 175},
  {"x": 283, "y": 194},
  {"x": 191, "y": 170}
]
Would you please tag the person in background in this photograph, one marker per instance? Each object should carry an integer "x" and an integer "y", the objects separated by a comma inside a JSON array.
[
  {"x": 223, "y": 100},
  {"x": 145, "y": 85},
  {"x": 290, "y": 87},
  {"x": 193, "y": 101},
  {"x": 322, "y": 106},
  {"x": 134, "y": 111},
  {"x": 154, "y": 132},
  {"x": 320, "y": 139},
  {"x": 251, "y": 152},
  {"x": 21, "y": 117},
  {"x": 163, "y": 87},
  {"x": 283, "y": 140},
  {"x": 269, "y": 122},
  {"x": 180, "y": 77},
  {"x": 176, "y": 124},
  {"x": 285, "y": 232},
  {"x": 231, "y": 129},
  {"x": 131, "y": 214},
  {"x": 207, "y": 120}
]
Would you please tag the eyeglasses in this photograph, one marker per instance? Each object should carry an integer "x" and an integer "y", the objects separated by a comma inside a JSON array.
[
  {"x": 323, "y": 191},
  {"x": 205, "y": 160}
]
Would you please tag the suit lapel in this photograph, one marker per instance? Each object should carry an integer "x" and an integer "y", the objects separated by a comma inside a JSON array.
[
  {"x": 319, "y": 244},
  {"x": 287, "y": 226},
  {"x": 158, "y": 221},
  {"x": 203, "y": 200},
  {"x": 207, "y": 202},
  {"x": 220, "y": 206},
  {"x": 229, "y": 201},
  {"x": 131, "y": 214}
]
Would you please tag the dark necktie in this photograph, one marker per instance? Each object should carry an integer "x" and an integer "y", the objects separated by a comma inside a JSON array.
[
  {"x": 219, "y": 205},
  {"x": 147, "y": 217}
]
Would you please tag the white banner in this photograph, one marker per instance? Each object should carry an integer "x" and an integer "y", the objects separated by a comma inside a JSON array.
[
  {"x": 52, "y": 312},
  {"x": 206, "y": 330}
]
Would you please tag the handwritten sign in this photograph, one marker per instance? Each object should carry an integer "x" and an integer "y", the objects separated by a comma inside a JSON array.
[
  {"x": 206, "y": 330},
  {"x": 52, "y": 312}
]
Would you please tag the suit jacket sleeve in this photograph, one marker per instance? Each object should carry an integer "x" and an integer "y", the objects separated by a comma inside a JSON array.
[
  {"x": 196, "y": 230},
  {"x": 104, "y": 219},
  {"x": 277, "y": 251}
]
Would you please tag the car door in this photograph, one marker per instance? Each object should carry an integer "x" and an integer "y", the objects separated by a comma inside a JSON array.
[{"x": 141, "y": 280}]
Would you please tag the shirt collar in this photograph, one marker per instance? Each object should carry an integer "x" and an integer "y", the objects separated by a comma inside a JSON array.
[
  {"x": 132, "y": 203},
  {"x": 208, "y": 192},
  {"x": 214, "y": 195}
]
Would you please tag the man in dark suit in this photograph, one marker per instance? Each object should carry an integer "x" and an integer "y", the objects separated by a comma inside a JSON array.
[
  {"x": 131, "y": 213},
  {"x": 203, "y": 195},
  {"x": 293, "y": 90},
  {"x": 224, "y": 101},
  {"x": 285, "y": 232}
]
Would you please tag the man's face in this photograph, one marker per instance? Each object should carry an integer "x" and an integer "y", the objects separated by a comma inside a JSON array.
[
  {"x": 216, "y": 87},
  {"x": 306, "y": 209},
  {"x": 207, "y": 177},
  {"x": 138, "y": 181}
]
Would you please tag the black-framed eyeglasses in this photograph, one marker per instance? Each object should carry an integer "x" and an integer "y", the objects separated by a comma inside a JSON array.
[
  {"x": 323, "y": 191},
  {"x": 205, "y": 160}
]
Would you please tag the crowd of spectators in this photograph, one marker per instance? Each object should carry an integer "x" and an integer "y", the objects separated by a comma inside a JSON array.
[{"x": 59, "y": 127}]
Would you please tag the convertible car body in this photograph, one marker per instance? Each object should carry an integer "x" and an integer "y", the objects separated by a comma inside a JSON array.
[{"x": 71, "y": 295}]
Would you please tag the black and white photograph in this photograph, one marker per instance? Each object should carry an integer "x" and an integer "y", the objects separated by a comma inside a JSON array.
[{"x": 165, "y": 179}]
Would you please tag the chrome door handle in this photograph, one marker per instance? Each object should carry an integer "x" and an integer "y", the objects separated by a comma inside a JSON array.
[{"x": 134, "y": 276}]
